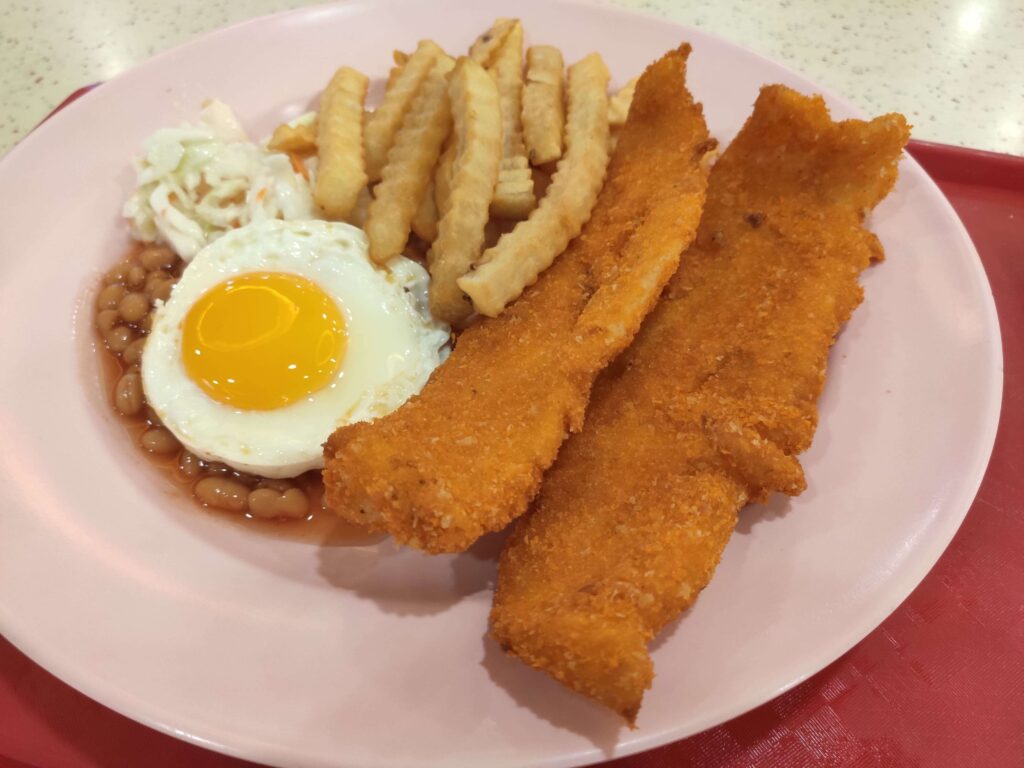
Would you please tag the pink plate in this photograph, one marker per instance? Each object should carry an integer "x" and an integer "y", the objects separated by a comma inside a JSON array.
[{"x": 297, "y": 654}]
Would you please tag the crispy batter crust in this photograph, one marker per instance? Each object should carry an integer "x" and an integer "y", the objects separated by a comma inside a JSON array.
[
  {"x": 466, "y": 456},
  {"x": 709, "y": 406}
]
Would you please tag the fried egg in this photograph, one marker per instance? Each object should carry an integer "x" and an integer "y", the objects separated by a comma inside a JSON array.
[{"x": 279, "y": 332}]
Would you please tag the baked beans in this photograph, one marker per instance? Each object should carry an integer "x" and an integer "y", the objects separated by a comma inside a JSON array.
[
  {"x": 159, "y": 440},
  {"x": 157, "y": 257},
  {"x": 222, "y": 493},
  {"x": 110, "y": 296},
  {"x": 269, "y": 503},
  {"x": 128, "y": 398},
  {"x": 125, "y": 305},
  {"x": 133, "y": 307},
  {"x": 132, "y": 354}
]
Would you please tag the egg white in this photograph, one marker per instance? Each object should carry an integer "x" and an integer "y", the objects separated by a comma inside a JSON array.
[{"x": 393, "y": 346}]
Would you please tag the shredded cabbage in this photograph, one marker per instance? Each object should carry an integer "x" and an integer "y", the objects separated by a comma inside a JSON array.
[{"x": 197, "y": 182}]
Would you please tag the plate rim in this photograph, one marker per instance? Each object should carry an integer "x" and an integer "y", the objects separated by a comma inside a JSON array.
[{"x": 247, "y": 748}]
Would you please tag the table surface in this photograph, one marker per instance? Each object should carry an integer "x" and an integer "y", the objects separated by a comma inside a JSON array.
[{"x": 955, "y": 68}]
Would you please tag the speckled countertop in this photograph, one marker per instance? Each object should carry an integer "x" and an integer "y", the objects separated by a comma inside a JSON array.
[{"x": 954, "y": 67}]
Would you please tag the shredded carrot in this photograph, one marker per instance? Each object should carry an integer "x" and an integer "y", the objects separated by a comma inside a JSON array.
[{"x": 297, "y": 165}]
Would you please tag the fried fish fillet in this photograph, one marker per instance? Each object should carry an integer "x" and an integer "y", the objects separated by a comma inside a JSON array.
[
  {"x": 466, "y": 456},
  {"x": 709, "y": 406}
]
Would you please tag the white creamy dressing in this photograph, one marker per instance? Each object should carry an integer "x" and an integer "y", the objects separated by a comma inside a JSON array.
[{"x": 197, "y": 182}]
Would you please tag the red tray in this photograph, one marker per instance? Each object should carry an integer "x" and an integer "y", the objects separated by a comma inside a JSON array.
[{"x": 940, "y": 682}]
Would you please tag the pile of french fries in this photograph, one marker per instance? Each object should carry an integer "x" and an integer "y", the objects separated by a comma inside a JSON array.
[{"x": 490, "y": 165}]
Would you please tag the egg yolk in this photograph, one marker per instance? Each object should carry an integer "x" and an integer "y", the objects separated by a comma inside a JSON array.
[{"x": 263, "y": 340}]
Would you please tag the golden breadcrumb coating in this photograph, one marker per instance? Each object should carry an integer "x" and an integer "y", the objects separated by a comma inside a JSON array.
[
  {"x": 709, "y": 406},
  {"x": 466, "y": 456}
]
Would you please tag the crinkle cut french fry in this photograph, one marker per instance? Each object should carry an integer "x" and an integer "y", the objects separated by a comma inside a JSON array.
[
  {"x": 443, "y": 178},
  {"x": 513, "y": 197},
  {"x": 520, "y": 256},
  {"x": 384, "y": 122},
  {"x": 543, "y": 107},
  {"x": 424, "y": 223},
  {"x": 486, "y": 46},
  {"x": 476, "y": 117},
  {"x": 411, "y": 161},
  {"x": 618, "y": 105},
  {"x": 341, "y": 170},
  {"x": 393, "y": 73},
  {"x": 294, "y": 139},
  {"x": 357, "y": 216}
]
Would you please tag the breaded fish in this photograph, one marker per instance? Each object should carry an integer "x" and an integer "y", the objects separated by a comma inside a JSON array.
[
  {"x": 466, "y": 456},
  {"x": 709, "y": 406}
]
